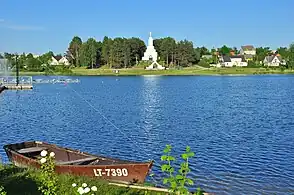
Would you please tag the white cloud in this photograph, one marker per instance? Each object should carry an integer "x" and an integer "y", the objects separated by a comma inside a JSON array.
[{"x": 25, "y": 28}]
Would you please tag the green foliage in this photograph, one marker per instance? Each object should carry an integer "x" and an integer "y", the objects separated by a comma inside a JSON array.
[
  {"x": 177, "y": 180},
  {"x": 290, "y": 60},
  {"x": 89, "y": 52},
  {"x": 252, "y": 64},
  {"x": 2, "y": 192},
  {"x": 224, "y": 50},
  {"x": 204, "y": 63},
  {"x": 261, "y": 53},
  {"x": 74, "y": 48},
  {"x": 48, "y": 178},
  {"x": 57, "y": 70},
  {"x": 19, "y": 181},
  {"x": 184, "y": 53}
]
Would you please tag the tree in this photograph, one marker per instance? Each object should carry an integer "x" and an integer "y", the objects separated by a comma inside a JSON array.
[
  {"x": 46, "y": 57},
  {"x": 167, "y": 48},
  {"x": 117, "y": 53},
  {"x": 224, "y": 50},
  {"x": 185, "y": 53},
  {"x": 32, "y": 63},
  {"x": 204, "y": 51},
  {"x": 105, "y": 51},
  {"x": 126, "y": 53},
  {"x": 283, "y": 51},
  {"x": 197, "y": 55},
  {"x": 74, "y": 48},
  {"x": 157, "y": 45},
  {"x": 261, "y": 53},
  {"x": 88, "y": 53},
  {"x": 290, "y": 60},
  {"x": 137, "y": 49}
]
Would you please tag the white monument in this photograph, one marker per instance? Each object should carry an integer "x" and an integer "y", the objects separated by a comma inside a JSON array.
[{"x": 151, "y": 55}]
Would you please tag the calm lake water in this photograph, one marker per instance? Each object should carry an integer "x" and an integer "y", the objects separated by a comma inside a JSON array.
[{"x": 240, "y": 127}]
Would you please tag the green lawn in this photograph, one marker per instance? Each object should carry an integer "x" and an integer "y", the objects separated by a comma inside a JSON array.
[
  {"x": 184, "y": 71},
  {"x": 19, "y": 181}
]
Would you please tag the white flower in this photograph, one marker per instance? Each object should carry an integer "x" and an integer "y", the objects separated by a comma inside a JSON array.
[
  {"x": 43, "y": 160},
  {"x": 84, "y": 185},
  {"x": 94, "y": 188},
  {"x": 44, "y": 153},
  {"x": 81, "y": 190},
  {"x": 74, "y": 185},
  {"x": 87, "y": 189},
  {"x": 52, "y": 154}
]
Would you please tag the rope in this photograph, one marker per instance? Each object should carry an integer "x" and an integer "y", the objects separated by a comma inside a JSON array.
[{"x": 107, "y": 120}]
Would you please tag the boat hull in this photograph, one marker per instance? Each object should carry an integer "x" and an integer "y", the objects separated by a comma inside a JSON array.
[{"x": 125, "y": 172}]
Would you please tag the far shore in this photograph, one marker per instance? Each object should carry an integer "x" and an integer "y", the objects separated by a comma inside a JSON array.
[{"x": 170, "y": 72}]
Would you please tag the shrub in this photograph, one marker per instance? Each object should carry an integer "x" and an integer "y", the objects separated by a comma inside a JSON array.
[
  {"x": 177, "y": 181},
  {"x": 2, "y": 192},
  {"x": 48, "y": 179}
]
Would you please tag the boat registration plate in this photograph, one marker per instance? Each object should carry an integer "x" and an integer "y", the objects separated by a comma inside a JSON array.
[{"x": 111, "y": 172}]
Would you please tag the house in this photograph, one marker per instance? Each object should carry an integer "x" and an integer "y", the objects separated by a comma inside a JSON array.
[
  {"x": 230, "y": 61},
  {"x": 248, "y": 51},
  {"x": 59, "y": 60},
  {"x": 273, "y": 60}
]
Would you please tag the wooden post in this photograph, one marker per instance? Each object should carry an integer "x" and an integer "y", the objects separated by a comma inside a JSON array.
[{"x": 17, "y": 70}]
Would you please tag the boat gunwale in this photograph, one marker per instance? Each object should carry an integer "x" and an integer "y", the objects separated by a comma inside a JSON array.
[{"x": 120, "y": 162}]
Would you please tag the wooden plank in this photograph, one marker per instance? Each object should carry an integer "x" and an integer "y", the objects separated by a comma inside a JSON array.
[
  {"x": 76, "y": 161},
  {"x": 149, "y": 188},
  {"x": 32, "y": 149},
  {"x": 141, "y": 187}
]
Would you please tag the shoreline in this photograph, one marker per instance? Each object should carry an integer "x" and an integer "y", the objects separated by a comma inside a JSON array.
[{"x": 170, "y": 72}]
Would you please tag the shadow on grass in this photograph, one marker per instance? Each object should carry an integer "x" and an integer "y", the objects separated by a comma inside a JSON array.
[{"x": 17, "y": 181}]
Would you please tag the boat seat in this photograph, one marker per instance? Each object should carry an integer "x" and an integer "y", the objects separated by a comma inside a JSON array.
[
  {"x": 31, "y": 150},
  {"x": 78, "y": 161}
]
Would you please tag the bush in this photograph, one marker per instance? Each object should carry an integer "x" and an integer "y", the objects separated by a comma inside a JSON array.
[
  {"x": 252, "y": 64},
  {"x": 177, "y": 180},
  {"x": 204, "y": 63}
]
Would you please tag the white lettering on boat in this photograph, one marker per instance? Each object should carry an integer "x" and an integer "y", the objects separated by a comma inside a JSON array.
[{"x": 111, "y": 172}]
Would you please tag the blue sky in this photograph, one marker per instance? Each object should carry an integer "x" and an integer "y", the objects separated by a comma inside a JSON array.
[{"x": 39, "y": 26}]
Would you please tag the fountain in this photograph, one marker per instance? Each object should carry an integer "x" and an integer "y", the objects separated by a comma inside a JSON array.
[
  {"x": 7, "y": 81},
  {"x": 5, "y": 67}
]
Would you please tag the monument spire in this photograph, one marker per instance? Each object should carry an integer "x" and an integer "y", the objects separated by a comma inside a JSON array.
[{"x": 150, "y": 34}]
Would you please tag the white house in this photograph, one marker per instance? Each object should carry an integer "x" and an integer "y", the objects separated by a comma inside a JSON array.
[
  {"x": 273, "y": 60},
  {"x": 248, "y": 50},
  {"x": 230, "y": 61},
  {"x": 238, "y": 61},
  {"x": 59, "y": 60}
]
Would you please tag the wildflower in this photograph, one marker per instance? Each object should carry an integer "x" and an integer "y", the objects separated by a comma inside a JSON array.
[
  {"x": 94, "y": 188},
  {"x": 74, "y": 185},
  {"x": 52, "y": 154},
  {"x": 81, "y": 190},
  {"x": 87, "y": 189},
  {"x": 43, "y": 160},
  {"x": 84, "y": 185},
  {"x": 44, "y": 153}
]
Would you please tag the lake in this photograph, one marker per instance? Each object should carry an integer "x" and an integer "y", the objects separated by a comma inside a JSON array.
[{"x": 240, "y": 127}]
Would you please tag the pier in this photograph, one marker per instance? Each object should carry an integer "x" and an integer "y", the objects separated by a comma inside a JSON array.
[
  {"x": 13, "y": 82},
  {"x": 16, "y": 83}
]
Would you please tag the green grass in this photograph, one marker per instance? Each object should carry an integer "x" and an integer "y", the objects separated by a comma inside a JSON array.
[
  {"x": 185, "y": 71},
  {"x": 18, "y": 181}
]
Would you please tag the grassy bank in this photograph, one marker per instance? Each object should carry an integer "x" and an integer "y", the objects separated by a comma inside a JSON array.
[
  {"x": 19, "y": 181},
  {"x": 184, "y": 71}
]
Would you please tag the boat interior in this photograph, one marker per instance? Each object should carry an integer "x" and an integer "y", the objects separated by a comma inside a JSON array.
[{"x": 63, "y": 156}]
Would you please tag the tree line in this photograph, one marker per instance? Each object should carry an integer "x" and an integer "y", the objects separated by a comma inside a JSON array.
[{"x": 127, "y": 52}]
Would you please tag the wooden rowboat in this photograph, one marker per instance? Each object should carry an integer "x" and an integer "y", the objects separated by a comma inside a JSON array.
[{"x": 68, "y": 161}]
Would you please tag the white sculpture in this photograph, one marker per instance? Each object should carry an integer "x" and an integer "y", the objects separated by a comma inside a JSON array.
[{"x": 151, "y": 55}]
